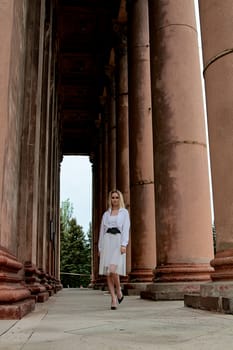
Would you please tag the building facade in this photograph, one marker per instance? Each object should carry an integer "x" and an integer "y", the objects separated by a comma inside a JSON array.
[{"x": 118, "y": 81}]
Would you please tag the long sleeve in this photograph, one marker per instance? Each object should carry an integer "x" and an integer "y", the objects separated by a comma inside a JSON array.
[
  {"x": 101, "y": 235},
  {"x": 125, "y": 229}
]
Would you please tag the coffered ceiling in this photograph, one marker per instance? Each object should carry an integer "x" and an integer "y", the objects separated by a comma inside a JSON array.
[{"x": 85, "y": 39}]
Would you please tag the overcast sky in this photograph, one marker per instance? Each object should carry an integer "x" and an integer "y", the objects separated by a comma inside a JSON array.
[{"x": 76, "y": 184}]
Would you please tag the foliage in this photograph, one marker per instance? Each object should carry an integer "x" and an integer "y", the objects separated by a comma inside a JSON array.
[
  {"x": 75, "y": 250},
  {"x": 214, "y": 236}
]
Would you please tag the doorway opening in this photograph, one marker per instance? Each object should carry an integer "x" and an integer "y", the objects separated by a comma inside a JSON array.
[{"x": 75, "y": 221}]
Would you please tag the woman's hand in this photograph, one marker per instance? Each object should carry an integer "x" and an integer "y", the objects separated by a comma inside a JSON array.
[{"x": 123, "y": 249}]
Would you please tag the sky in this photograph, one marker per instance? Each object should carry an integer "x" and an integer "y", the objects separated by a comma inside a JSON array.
[{"x": 76, "y": 185}]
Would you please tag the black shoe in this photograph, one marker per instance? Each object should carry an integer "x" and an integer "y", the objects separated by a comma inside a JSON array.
[
  {"x": 120, "y": 299},
  {"x": 114, "y": 305}
]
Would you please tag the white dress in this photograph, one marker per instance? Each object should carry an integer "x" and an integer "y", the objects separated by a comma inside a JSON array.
[{"x": 111, "y": 259}]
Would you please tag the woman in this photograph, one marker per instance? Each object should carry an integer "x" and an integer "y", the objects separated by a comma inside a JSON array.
[{"x": 113, "y": 240}]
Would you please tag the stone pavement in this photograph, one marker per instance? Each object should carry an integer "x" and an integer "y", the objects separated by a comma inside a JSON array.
[{"x": 82, "y": 319}]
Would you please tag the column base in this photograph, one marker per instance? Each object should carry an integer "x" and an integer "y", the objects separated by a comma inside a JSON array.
[
  {"x": 213, "y": 296},
  {"x": 182, "y": 273},
  {"x": 99, "y": 283},
  {"x": 131, "y": 288},
  {"x": 17, "y": 310},
  {"x": 170, "y": 291},
  {"x": 223, "y": 266},
  {"x": 124, "y": 279},
  {"x": 33, "y": 282},
  {"x": 15, "y": 298},
  {"x": 141, "y": 275}
]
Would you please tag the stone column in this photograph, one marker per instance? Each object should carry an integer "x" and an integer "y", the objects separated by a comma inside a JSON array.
[
  {"x": 98, "y": 205},
  {"x": 43, "y": 224},
  {"x": 183, "y": 215},
  {"x": 29, "y": 170},
  {"x": 110, "y": 72},
  {"x": 12, "y": 76},
  {"x": 122, "y": 161},
  {"x": 94, "y": 253},
  {"x": 122, "y": 171},
  {"x": 43, "y": 243},
  {"x": 30, "y": 192},
  {"x": 6, "y": 20},
  {"x": 142, "y": 201},
  {"x": 52, "y": 166},
  {"x": 217, "y": 58},
  {"x": 15, "y": 299},
  {"x": 105, "y": 150}
]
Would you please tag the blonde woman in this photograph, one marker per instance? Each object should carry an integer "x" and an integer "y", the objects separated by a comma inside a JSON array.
[{"x": 113, "y": 240}]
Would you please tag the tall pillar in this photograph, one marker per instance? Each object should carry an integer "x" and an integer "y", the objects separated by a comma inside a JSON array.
[
  {"x": 142, "y": 202},
  {"x": 122, "y": 162},
  {"x": 98, "y": 206},
  {"x": 95, "y": 221},
  {"x": 29, "y": 170},
  {"x": 15, "y": 299},
  {"x": 43, "y": 245},
  {"x": 12, "y": 76},
  {"x": 122, "y": 113},
  {"x": 217, "y": 58},
  {"x": 6, "y": 20},
  {"x": 105, "y": 140},
  {"x": 183, "y": 214},
  {"x": 110, "y": 72}
]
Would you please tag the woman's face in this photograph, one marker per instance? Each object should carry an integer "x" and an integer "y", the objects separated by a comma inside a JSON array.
[{"x": 115, "y": 199}]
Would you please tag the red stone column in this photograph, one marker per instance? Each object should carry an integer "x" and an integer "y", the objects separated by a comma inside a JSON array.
[
  {"x": 43, "y": 243},
  {"x": 29, "y": 169},
  {"x": 142, "y": 202},
  {"x": 6, "y": 19},
  {"x": 122, "y": 162},
  {"x": 98, "y": 209},
  {"x": 111, "y": 101},
  {"x": 183, "y": 214},
  {"x": 217, "y": 58},
  {"x": 95, "y": 221},
  {"x": 12, "y": 76},
  {"x": 15, "y": 299},
  {"x": 105, "y": 151}
]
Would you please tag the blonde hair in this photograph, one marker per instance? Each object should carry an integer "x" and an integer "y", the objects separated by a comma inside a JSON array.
[{"x": 121, "y": 199}]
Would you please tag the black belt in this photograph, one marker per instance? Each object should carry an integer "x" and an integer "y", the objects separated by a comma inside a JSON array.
[{"x": 113, "y": 230}]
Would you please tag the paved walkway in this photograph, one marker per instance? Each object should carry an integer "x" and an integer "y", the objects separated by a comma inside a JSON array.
[{"x": 82, "y": 319}]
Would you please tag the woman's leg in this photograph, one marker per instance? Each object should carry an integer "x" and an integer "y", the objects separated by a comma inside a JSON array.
[
  {"x": 111, "y": 289},
  {"x": 116, "y": 281}
]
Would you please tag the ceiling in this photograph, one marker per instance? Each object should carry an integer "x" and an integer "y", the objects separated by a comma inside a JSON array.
[{"x": 85, "y": 39}]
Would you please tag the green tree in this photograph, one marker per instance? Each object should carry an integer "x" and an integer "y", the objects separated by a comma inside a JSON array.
[
  {"x": 75, "y": 250},
  {"x": 66, "y": 212},
  {"x": 214, "y": 236}
]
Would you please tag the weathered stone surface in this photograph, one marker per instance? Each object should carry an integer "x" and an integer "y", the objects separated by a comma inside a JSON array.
[
  {"x": 192, "y": 300},
  {"x": 16, "y": 310},
  {"x": 15, "y": 298},
  {"x": 216, "y": 289},
  {"x": 33, "y": 282},
  {"x": 170, "y": 291},
  {"x": 227, "y": 305}
]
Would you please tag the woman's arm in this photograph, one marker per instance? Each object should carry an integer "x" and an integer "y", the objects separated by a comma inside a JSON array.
[
  {"x": 101, "y": 234},
  {"x": 125, "y": 229}
]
